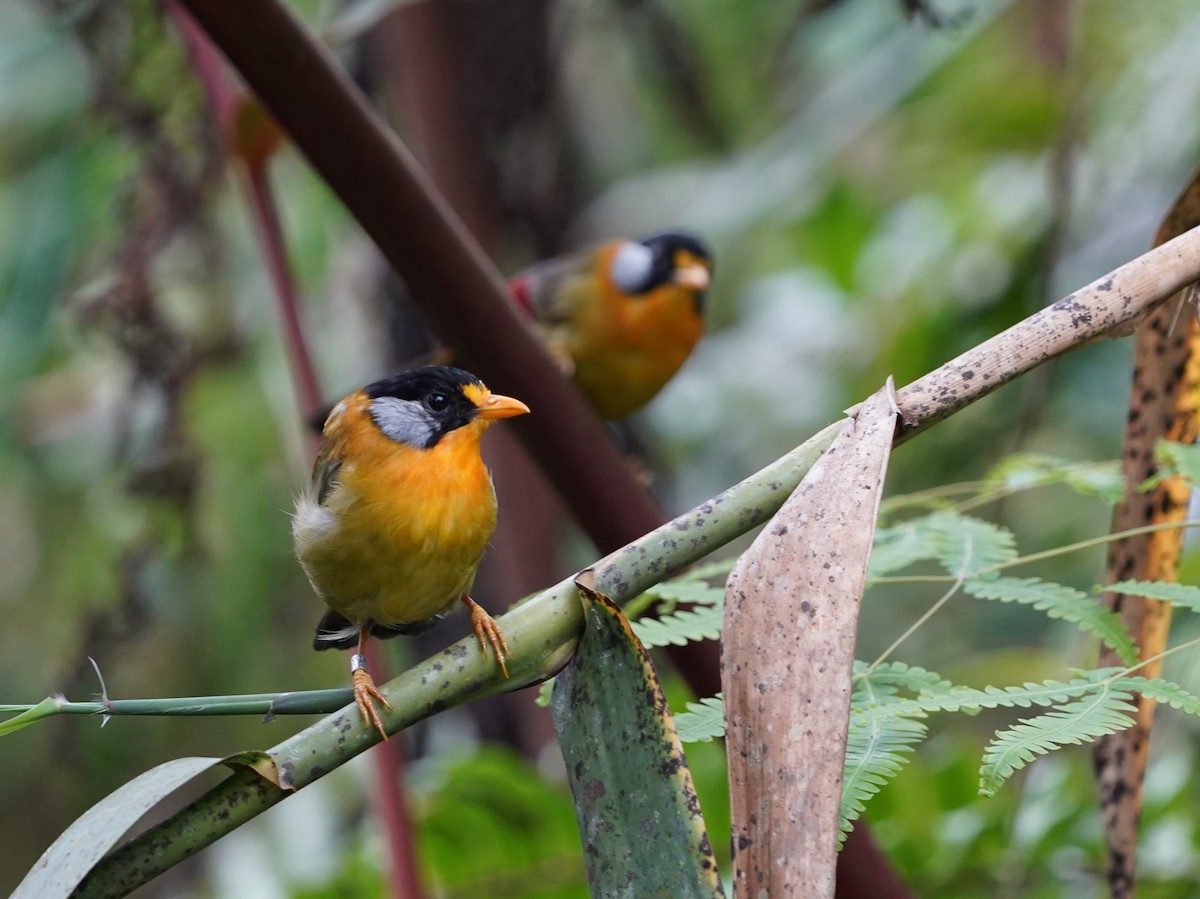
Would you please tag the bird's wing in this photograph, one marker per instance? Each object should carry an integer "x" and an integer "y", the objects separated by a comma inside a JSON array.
[
  {"x": 549, "y": 291},
  {"x": 324, "y": 477},
  {"x": 329, "y": 460}
]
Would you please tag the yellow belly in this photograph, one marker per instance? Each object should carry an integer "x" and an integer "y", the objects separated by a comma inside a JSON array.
[{"x": 402, "y": 545}]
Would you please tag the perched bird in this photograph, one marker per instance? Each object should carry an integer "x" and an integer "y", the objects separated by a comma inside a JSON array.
[
  {"x": 621, "y": 317},
  {"x": 400, "y": 509}
]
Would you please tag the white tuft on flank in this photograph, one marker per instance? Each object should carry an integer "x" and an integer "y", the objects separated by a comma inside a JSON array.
[
  {"x": 405, "y": 421},
  {"x": 631, "y": 266},
  {"x": 311, "y": 521}
]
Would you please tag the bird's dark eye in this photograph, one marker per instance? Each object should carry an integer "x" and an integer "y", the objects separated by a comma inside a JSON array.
[{"x": 437, "y": 402}]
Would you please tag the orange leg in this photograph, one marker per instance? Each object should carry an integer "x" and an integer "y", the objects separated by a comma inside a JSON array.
[
  {"x": 487, "y": 632},
  {"x": 365, "y": 691}
]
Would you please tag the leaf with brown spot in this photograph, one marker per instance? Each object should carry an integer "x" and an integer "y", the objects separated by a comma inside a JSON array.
[
  {"x": 639, "y": 817},
  {"x": 791, "y": 616}
]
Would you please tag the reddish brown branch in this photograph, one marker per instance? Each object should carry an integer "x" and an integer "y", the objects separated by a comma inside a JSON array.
[{"x": 450, "y": 278}]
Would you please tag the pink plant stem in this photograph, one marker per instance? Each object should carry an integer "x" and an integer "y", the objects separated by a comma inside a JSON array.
[{"x": 389, "y": 799}]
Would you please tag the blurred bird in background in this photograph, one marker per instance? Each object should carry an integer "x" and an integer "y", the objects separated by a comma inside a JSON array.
[
  {"x": 393, "y": 525},
  {"x": 620, "y": 317}
]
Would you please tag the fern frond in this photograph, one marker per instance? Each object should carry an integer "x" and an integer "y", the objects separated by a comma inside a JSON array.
[
  {"x": 703, "y": 571},
  {"x": 1028, "y": 470},
  {"x": 1161, "y": 690},
  {"x": 1174, "y": 460},
  {"x": 963, "y": 544},
  {"x": 876, "y": 750},
  {"x": 1022, "y": 696},
  {"x": 888, "y": 677},
  {"x": 703, "y": 721},
  {"x": 682, "y": 627},
  {"x": 1080, "y": 721},
  {"x": 1059, "y": 601},
  {"x": 899, "y": 546},
  {"x": 694, "y": 591},
  {"x": 1184, "y": 595}
]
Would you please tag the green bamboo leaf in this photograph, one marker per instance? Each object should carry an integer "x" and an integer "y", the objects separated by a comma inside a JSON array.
[
  {"x": 1059, "y": 601},
  {"x": 639, "y": 817},
  {"x": 69, "y": 859}
]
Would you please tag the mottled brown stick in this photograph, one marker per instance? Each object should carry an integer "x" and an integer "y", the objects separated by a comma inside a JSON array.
[
  {"x": 1162, "y": 405},
  {"x": 1111, "y": 306}
]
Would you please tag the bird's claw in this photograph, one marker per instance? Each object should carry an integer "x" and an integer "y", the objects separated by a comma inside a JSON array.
[
  {"x": 365, "y": 694},
  {"x": 488, "y": 632}
]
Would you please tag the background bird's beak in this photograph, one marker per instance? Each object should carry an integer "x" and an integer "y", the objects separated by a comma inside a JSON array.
[
  {"x": 499, "y": 406},
  {"x": 694, "y": 276}
]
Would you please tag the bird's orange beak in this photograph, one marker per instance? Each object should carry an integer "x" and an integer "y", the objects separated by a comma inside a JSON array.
[
  {"x": 695, "y": 276},
  {"x": 496, "y": 405}
]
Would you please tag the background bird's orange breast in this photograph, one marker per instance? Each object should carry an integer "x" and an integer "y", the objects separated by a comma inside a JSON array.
[
  {"x": 412, "y": 523},
  {"x": 627, "y": 347}
]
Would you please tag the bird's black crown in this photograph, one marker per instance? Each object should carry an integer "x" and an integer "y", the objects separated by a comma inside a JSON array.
[{"x": 440, "y": 406}]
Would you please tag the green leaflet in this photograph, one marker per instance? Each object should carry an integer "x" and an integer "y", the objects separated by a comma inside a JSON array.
[
  {"x": 1059, "y": 601},
  {"x": 963, "y": 544},
  {"x": 703, "y": 721},
  {"x": 876, "y": 750},
  {"x": 638, "y": 814},
  {"x": 1024, "y": 471},
  {"x": 1081, "y": 721},
  {"x": 682, "y": 627},
  {"x": 1183, "y": 595},
  {"x": 1175, "y": 459}
]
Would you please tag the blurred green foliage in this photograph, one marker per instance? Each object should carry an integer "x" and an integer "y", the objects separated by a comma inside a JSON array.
[{"x": 880, "y": 195}]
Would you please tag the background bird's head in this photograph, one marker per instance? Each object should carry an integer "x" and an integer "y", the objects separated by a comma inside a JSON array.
[
  {"x": 419, "y": 407},
  {"x": 671, "y": 258}
]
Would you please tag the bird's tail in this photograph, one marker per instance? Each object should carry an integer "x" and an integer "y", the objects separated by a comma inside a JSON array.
[{"x": 336, "y": 631}]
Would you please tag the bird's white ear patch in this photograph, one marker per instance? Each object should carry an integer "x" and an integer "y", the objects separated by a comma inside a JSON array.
[
  {"x": 405, "y": 421},
  {"x": 631, "y": 267}
]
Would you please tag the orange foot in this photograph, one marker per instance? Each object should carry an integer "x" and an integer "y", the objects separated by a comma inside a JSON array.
[
  {"x": 365, "y": 692},
  {"x": 488, "y": 632}
]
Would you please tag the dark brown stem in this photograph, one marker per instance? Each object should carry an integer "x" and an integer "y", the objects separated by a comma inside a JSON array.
[{"x": 449, "y": 276}]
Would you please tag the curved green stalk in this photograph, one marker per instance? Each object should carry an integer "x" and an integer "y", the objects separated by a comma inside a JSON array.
[{"x": 541, "y": 633}]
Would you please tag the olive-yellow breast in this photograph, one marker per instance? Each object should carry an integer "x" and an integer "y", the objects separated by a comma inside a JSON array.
[{"x": 400, "y": 509}]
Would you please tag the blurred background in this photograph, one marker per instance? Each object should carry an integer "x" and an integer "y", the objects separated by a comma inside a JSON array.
[{"x": 884, "y": 183}]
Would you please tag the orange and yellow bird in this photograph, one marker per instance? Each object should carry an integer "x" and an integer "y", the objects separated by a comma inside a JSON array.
[
  {"x": 621, "y": 317},
  {"x": 392, "y": 527}
]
